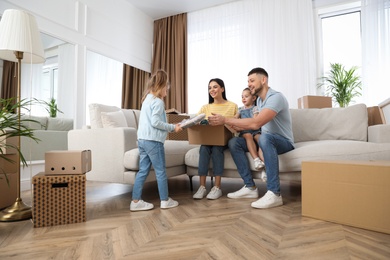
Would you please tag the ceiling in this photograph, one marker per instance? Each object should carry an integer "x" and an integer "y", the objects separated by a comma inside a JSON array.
[{"x": 157, "y": 9}]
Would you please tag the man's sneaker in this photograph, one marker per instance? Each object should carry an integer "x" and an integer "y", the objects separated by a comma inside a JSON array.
[
  {"x": 192, "y": 121},
  {"x": 258, "y": 164},
  {"x": 140, "y": 205},
  {"x": 215, "y": 193},
  {"x": 244, "y": 193},
  {"x": 269, "y": 200},
  {"x": 263, "y": 176},
  {"x": 200, "y": 193},
  {"x": 167, "y": 204}
]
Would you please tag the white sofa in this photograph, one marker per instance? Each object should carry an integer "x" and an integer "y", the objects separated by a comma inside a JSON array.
[
  {"x": 52, "y": 134},
  {"x": 320, "y": 134}
]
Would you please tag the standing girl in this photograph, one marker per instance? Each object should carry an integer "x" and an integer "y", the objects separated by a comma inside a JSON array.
[
  {"x": 152, "y": 132},
  {"x": 218, "y": 104}
]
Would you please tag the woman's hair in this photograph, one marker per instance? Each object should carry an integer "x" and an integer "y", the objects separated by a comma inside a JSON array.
[
  {"x": 156, "y": 83},
  {"x": 219, "y": 82}
]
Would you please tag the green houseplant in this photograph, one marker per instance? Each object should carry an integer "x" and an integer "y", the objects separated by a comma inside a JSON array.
[
  {"x": 51, "y": 107},
  {"x": 341, "y": 84},
  {"x": 12, "y": 125}
]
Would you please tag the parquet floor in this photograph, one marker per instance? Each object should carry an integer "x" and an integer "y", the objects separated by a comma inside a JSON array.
[{"x": 202, "y": 229}]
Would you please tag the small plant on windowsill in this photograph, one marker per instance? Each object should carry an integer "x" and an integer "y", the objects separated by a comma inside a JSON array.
[
  {"x": 12, "y": 125},
  {"x": 341, "y": 84},
  {"x": 51, "y": 107}
]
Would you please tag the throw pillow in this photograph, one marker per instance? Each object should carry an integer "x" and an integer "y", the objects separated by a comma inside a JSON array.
[
  {"x": 113, "y": 119},
  {"x": 95, "y": 111}
]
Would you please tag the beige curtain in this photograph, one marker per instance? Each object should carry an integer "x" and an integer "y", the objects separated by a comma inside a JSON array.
[
  {"x": 170, "y": 54},
  {"x": 10, "y": 80},
  {"x": 133, "y": 86}
]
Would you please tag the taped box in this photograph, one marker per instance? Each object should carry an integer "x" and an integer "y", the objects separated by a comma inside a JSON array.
[
  {"x": 58, "y": 199},
  {"x": 354, "y": 193},
  {"x": 68, "y": 162},
  {"x": 314, "y": 102}
]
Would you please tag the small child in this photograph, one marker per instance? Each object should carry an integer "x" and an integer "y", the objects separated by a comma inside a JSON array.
[
  {"x": 152, "y": 132},
  {"x": 251, "y": 136}
]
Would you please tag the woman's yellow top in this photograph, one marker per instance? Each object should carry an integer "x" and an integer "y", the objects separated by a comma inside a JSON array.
[{"x": 227, "y": 109}]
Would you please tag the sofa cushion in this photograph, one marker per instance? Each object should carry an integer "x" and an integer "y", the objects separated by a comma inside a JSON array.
[
  {"x": 95, "y": 111},
  {"x": 59, "y": 124},
  {"x": 113, "y": 119},
  {"x": 348, "y": 123},
  {"x": 130, "y": 118},
  {"x": 40, "y": 124}
]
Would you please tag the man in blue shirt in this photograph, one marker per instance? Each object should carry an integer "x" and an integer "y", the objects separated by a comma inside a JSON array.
[{"x": 276, "y": 138}]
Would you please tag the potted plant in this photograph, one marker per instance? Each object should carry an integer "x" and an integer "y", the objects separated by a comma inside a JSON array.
[
  {"x": 341, "y": 84},
  {"x": 51, "y": 107},
  {"x": 12, "y": 125}
]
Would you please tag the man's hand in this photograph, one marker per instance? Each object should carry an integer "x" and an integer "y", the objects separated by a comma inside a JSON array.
[{"x": 216, "y": 119}]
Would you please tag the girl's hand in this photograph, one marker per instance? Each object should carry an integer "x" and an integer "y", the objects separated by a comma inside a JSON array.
[{"x": 178, "y": 128}]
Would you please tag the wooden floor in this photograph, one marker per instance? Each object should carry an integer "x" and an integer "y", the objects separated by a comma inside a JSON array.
[{"x": 197, "y": 229}]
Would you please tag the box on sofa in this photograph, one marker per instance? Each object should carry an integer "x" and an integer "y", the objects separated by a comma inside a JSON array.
[{"x": 353, "y": 193}]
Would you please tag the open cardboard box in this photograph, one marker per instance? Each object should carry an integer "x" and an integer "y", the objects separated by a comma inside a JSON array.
[{"x": 210, "y": 135}]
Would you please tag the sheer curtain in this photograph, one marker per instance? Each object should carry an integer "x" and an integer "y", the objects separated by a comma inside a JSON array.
[
  {"x": 103, "y": 81},
  {"x": 227, "y": 41},
  {"x": 376, "y": 50},
  {"x": 66, "y": 80}
]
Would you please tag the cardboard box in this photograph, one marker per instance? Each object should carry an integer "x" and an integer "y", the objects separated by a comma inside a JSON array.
[
  {"x": 7, "y": 143},
  {"x": 209, "y": 135},
  {"x": 314, "y": 102},
  {"x": 68, "y": 162},
  {"x": 9, "y": 163},
  {"x": 174, "y": 119},
  {"x": 8, "y": 193},
  {"x": 352, "y": 193},
  {"x": 58, "y": 199},
  {"x": 374, "y": 116}
]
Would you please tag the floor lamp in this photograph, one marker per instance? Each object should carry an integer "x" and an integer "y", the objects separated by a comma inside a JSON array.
[{"x": 19, "y": 41}]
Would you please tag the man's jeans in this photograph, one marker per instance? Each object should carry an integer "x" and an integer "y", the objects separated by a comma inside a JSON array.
[
  {"x": 151, "y": 153},
  {"x": 272, "y": 145}
]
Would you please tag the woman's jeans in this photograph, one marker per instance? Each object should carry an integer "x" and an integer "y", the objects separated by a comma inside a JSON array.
[
  {"x": 151, "y": 153},
  {"x": 217, "y": 157},
  {"x": 272, "y": 145}
]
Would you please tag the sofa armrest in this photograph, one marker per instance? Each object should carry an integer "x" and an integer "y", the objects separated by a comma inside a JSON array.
[
  {"x": 108, "y": 146},
  {"x": 379, "y": 134}
]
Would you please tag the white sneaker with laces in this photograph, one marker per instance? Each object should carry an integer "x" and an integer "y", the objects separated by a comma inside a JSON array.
[
  {"x": 167, "y": 204},
  {"x": 244, "y": 193},
  {"x": 263, "y": 176},
  {"x": 269, "y": 200},
  {"x": 200, "y": 193},
  {"x": 140, "y": 205},
  {"x": 215, "y": 193},
  {"x": 258, "y": 164}
]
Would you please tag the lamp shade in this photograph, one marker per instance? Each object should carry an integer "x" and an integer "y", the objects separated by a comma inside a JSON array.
[{"x": 19, "y": 32}]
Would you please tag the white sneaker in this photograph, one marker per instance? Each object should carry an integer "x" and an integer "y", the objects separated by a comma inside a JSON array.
[
  {"x": 167, "y": 204},
  {"x": 192, "y": 121},
  {"x": 258, "y": 164},
  {"x": 200, "y": 193},
  {"x": 140, "y": 205},
  {"x": 244, "y": 192},
  {"x": 263, "y": 176},
  {"x": 269, "y": 200},
  {"x": 215, "y": 193}
]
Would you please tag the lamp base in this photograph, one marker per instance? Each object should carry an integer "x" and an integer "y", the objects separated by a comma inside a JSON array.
[{"x": 16, "y": 212}]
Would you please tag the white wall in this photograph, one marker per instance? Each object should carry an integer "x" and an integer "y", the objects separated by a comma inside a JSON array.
[{"x": 114, "y": 29}]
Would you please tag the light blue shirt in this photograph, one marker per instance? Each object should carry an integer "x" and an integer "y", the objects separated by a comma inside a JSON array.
[
  {"x": 281, "y": 123},
  {"x": 153, "y": 124}
]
